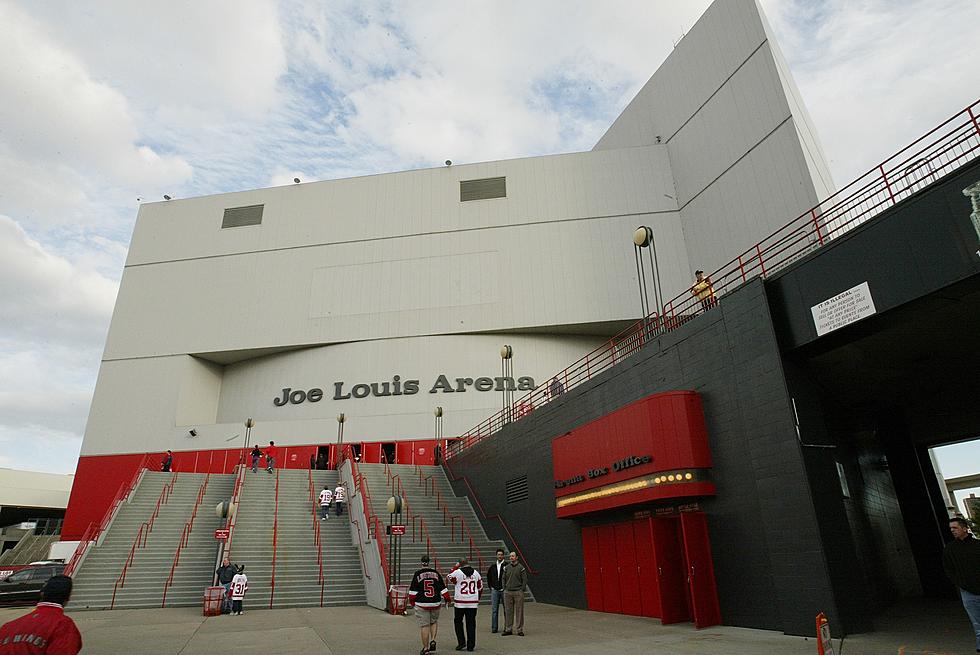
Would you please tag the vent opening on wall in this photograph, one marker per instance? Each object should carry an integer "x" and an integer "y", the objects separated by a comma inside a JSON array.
[
  {"x": 242, "y": 216},
  {"x": 490, "y": 187},
  {"x": 516, "y": 489}
]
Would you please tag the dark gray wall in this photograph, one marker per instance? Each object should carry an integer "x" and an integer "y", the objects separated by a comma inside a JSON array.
[
  {"x": 769, "y": 563},
  {"x": 924, "y": 244}
]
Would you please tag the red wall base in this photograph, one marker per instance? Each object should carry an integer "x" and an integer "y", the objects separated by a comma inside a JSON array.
[{"x": 98, "y": 477}]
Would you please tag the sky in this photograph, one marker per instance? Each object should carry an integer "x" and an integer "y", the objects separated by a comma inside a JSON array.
[{"x": 104, "y": 104}]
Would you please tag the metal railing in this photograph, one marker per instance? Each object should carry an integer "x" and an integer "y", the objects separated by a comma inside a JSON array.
[
  {"x": 275, "y": 544},
  {"x": 235, "y": 501},
  {"x": 94, "y": 531},
  {"x": 492, "y": 517},
  {"x": 317, "y": 542},
  {"x": 942, "y": 150},
  {"x": 420, "y": 530},
  {"x": 139, "y": 541},
  {"x": 185, "y": 535}
]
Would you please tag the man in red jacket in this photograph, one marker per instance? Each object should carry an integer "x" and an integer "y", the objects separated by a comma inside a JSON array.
[
  {"x": 270, "y": 456},
  {"x": 46, "y": 630}
]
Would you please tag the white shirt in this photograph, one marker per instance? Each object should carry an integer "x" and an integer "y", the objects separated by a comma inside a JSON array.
[
  {"x": 339, "y": 494},
  {"x": 325, "y": 497},
  {"x": 239, "y": 585}
]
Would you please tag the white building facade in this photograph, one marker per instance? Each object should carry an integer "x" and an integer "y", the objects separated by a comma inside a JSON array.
[{"x": 402, "y": 287}]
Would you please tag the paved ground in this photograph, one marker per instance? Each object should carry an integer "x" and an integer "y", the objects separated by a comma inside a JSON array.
[{"x": 941, "y": 630}]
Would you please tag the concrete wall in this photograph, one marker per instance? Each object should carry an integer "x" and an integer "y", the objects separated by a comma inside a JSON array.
[
  {"x": 167, "y": 396},
  {"x": 769, "y": 562},
  {"x": 745, "y": 156},
  {"x": 33, "y": 489}
]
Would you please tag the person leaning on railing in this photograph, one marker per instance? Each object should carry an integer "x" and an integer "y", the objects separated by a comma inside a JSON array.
[{"x": 704, "y": 291}]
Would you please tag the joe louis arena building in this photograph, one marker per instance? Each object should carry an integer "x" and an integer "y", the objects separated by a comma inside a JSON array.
[{"x": 769, "y": 442}]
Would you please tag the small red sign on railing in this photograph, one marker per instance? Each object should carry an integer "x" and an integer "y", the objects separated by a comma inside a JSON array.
[
  {"x": 222, "y": 533},
  {"x": 398, "y": 530}
]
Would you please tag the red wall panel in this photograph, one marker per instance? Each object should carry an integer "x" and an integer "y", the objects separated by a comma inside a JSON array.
[
  {"x": 424, "y": 452},
  {"x": 668, "y": 428},
  {"x": 97, "y": 479}
]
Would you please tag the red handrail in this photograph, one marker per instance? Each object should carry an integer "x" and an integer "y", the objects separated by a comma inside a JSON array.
[
  {"x": 92, "y": 533},
  {"x": 275, "y": 544},
  {"x": 236, "y": 496},
  {"x": 184, "y": 537},
  {"x": 141, "y": 535},
  {"x": 314, "y": 501},
  {"x": 372, "y": 520},
  {"x": 943, "y": 149}
]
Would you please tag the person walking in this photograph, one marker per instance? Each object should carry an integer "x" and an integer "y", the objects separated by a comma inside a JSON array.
[
  {"x": 515, "y": 584},
  {"x": 270, "y": 456},
  {"x": 468, "y": 585},
  {"x": 239, "y": 585},
  {"x": 961, "y": 562},
  {"x": 426, "y": 593},
  {"x": 704, "y": 291},
  {"x": 326, "y": 496},
  {"x": 168, "y": 462},
  {"x": 256, "y": 456},
  {"x": 495, "y": 582},
  {"x": 46, "y": 629},
  {"x": 226, "y": 572},
  {"x": 339, "y": 497}
]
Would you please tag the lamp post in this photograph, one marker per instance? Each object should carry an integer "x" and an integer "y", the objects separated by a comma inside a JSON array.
[
  {"x": 437, "y": 435},
  {"x": 249, "y": 423},
  {"x": 643, "y": 239},
  {"x": 341, "y": 419},
  {"x": 507, "y": 373}
]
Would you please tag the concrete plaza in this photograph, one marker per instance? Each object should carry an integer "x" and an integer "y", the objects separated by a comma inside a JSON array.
[{"x": 941, "y": 629}]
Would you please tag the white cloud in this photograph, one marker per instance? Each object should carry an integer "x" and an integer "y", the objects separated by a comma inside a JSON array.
[
  {"x": 878, "y": 74},
  {"x": 66, "y": 136},
  {"x": 46, "y": 297}
]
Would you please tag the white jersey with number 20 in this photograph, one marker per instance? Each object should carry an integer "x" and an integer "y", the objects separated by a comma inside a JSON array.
[{"x": 467, "y": 590}]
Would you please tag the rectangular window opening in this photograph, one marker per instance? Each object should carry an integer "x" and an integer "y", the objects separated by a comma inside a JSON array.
[{"x": 485, "y": 189}]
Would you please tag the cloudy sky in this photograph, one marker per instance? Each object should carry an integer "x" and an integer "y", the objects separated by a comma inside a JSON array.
[{"x": 106, "y": 102}]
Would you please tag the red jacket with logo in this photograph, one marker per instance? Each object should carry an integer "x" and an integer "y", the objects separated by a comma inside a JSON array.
[{"x": 45, "y": 631}]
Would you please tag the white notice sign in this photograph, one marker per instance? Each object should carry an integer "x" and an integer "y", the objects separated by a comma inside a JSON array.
[{"x": 843, "y": 309}]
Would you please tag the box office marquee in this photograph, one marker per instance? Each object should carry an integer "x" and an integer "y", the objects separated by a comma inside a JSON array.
[{"x": 653, "y": 451}]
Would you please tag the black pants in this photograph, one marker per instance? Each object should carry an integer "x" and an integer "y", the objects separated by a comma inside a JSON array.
[
  {"x": 469, "y": 639},
  {"x": 236, "y": 606}
]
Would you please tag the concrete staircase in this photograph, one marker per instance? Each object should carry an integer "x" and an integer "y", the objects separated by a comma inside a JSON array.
[
  {"x": 296, "y": 573},
  {"x": 448, "y": 546},
  {"x": 30, "y": 548},
  {"x": 151, "y": 566}
]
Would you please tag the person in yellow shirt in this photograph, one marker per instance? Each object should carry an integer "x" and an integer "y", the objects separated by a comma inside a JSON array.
[{"x": 703, "y": 291}]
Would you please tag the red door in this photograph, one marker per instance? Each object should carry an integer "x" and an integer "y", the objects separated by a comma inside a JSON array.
[
  {"x": 671, "y": 573},
  {"x": 593, "y": 576},
  {"x": 371, "y": 453},
  {"x": 701, "y": 572},
  {"x": 646, "y": 568},
  {"x": 629, "y": 584},
  {"x": 404, "y": 452},
  {"x": 609, "y": 569}
]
